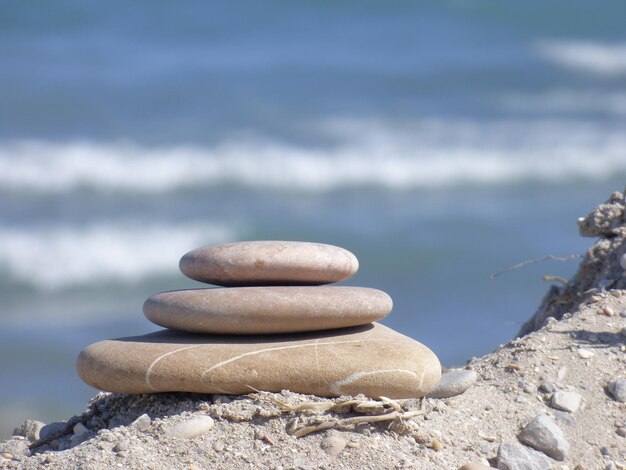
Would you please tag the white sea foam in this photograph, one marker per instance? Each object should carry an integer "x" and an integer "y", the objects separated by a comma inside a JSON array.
[
  {"x": 594, "y": 57},
  {"x": 426, "y": 154},
  {"x": 53, "y": 258}
]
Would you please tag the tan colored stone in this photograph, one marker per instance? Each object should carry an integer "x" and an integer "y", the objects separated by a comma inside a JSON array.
[
  {"x": 269, "y": 263},
  {"x": 274, "y": 309},
  {"x": 370, "y": 359}
]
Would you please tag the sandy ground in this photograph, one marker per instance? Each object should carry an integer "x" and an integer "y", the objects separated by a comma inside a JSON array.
[{"x": 579, "y": 345}]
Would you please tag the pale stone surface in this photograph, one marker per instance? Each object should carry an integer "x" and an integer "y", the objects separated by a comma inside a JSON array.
[
  {"x": 566, "y": 401},
  {"x": 260, "y": 310},
  {"x": 370, "y": 359},
  {"x": 454, "y": 382},
  {"x": 544, "y": 435},
  {"x": 518, "y": 457},
  {"x": 269, "y": 263},
  {"x": 191, "y": 428}
]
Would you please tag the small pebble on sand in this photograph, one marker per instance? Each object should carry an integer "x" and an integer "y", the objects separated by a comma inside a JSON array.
[
  {"x": 192, "y": 428},
  {"x": 566, "y": 401},
  {"x": 617, "y": 389},
  {"x": 608, "y": 311},
  {"x": 436, "y": 445},
  {"x": 142, "y": 423},
  {"x": 333, "y": 445},
  {"x": 121, "y": 446},
  {"x": 80, "y": 429}
]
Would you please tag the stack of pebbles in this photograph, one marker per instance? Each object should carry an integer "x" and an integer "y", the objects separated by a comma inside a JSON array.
[{"x": 272, "y": 326}]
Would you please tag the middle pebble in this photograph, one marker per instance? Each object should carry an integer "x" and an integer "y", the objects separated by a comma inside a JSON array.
[{"x": 259, "y": 310}]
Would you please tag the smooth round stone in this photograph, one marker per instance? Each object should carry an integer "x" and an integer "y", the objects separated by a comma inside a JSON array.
[
  {"x": 269, "y": 263},
  {"x": 273, "y": 309},
  {"x": 454, "y": 382},
  {"x": 191, "y": 428},
  {"x": 370, "y": 359}
]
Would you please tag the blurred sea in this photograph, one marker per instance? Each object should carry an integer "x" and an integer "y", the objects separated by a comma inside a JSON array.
[{"x": 438, "y": 141}]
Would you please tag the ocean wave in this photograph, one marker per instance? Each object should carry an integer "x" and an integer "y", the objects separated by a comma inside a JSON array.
[
  {"x": 57, "y": 257},
  {"x": 430, "y": 154},
  {"x": 594, "y": 57}
]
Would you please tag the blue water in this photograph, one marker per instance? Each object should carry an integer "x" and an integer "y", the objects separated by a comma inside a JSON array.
[{"x": 439, "y": 141}]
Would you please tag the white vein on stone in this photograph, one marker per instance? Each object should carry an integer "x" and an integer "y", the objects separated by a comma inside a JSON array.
[
  {"x": 278, "y": 348},
  {"x": 336, "y": 386},
  {"x": 161, "y": 357},
  {"x": 315, "y": 344}
]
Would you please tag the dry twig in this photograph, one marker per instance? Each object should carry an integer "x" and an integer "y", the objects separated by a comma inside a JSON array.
[
  {"x": 560, "y": 279},
  {"x": 534, "y": 261},
  {"x": 347, "y": 423},
  {"x": 385, "y": 405}
]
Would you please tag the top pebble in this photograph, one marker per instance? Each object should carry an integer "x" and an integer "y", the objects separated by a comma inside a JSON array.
[{"x": 265, "y": 263}]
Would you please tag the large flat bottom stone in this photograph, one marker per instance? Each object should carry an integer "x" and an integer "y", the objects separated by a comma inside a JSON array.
[{"x": 370, "y": 359}]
